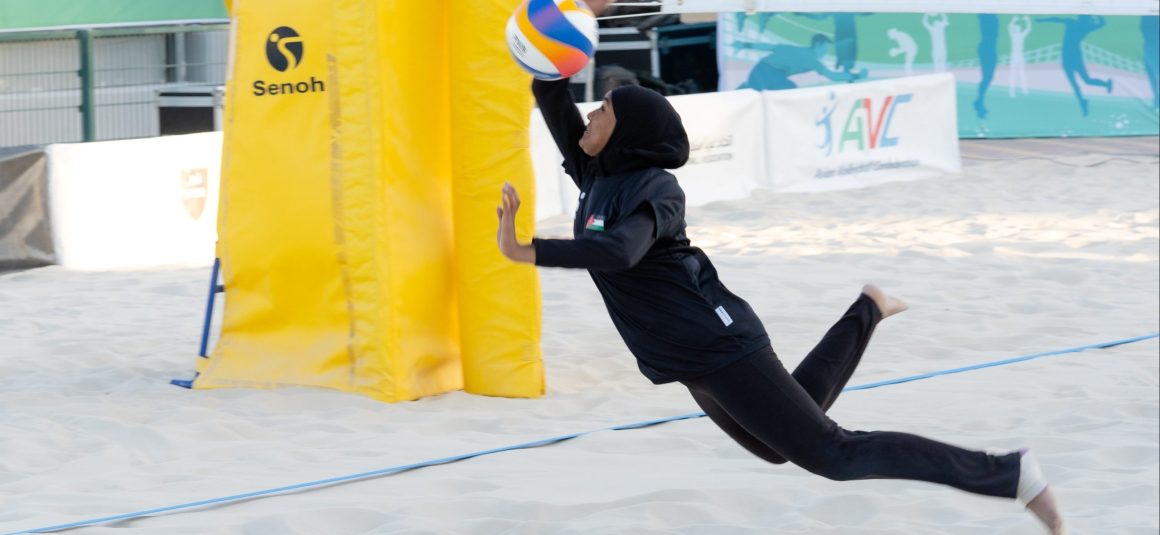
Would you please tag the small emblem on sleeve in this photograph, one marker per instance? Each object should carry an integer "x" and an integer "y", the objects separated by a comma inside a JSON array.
[{"x": 595, "y": 223}]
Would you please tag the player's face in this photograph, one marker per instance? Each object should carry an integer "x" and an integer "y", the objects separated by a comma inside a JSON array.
[{"x": 601, "y": 122}]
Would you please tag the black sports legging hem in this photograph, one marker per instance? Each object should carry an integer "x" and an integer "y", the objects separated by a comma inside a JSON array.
[{"x": 778, "y": 417}]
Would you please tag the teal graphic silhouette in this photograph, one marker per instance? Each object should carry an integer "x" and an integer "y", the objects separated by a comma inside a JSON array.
[
  {"x": 1074, "y": 31},
  {"x": 988, "y": 57},
  {"x": 936, "y": 25},
  {"x": 1150, "y": 30},
  {"x": 761, "y": 19},
  {"x": 783, "y": 61},
  {"x": 823, "y": 121},
  {"x": 845, "y": 37},
  {"x": 907, "y": 48},
  {"x": 1018, "y": 30}
]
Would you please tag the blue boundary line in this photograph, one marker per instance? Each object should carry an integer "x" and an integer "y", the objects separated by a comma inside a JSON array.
[{"x": 543, "y": 442}]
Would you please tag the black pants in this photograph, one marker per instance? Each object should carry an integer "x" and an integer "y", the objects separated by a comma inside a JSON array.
[{"x": 780, "y": 417}]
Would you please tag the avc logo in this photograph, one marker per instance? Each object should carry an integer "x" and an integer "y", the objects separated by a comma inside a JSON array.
[{"x": 863, "y": 127}]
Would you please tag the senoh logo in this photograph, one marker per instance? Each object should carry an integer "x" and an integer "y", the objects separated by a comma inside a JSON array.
[
  {"x": 284, "y": 52},
  {"x": 866, "y": 127},
  {"x": 284, "y": 48}
]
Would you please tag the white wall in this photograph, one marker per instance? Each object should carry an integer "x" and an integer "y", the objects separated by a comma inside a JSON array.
[
  {"x": 135, "y": 203},
  {"x": 745, "y": 140},
  {"x": 825, "y": 138},
  {"x": 152, "y": 202}
]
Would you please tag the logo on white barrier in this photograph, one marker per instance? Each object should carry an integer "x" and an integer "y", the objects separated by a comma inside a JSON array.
[
  {"x": 194, "y": 190},
  {"x": 864, "y": 128},
  {"x": 843, "y": 136},
  {"x": 710, "y": 149}
]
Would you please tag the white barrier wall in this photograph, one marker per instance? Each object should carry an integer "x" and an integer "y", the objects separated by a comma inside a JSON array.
[
  {"x": 153, "y": 202},
  {"x": 727, "y": 145},
  {"x": 854, "y": 135},
  {"x": 813, "y": 139},
  {"x": 135, "y": 203}
]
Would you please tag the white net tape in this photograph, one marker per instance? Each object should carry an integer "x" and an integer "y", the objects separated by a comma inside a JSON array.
[{"x": 1087, "y": 7}]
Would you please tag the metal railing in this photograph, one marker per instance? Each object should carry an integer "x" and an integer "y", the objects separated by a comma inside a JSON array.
[{"x": 100, "y": 83}]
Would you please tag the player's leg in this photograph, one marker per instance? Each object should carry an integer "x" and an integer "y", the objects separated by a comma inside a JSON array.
[
  {"x": 734, "y": 430},
  {"x": 828, "y": 367},
  {"x": 759, "y": 395}
]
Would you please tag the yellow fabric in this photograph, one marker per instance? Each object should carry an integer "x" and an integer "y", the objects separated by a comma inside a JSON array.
[
  {"x": 499, "y": 299},
  {"x": 336, "y": 228},
  {"x": 409, "y": 124}
]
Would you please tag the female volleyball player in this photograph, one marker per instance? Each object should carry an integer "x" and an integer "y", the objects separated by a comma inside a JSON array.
[{"x": 682, "y": 324}]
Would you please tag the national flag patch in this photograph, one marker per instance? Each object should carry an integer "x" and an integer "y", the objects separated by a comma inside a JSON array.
[{"x": 595, "y": 223}]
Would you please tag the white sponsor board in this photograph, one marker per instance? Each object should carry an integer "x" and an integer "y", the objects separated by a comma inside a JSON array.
[
  {"x": 726, "y": 146},
  {"x": 135, "y": 203},
  {"x": 855, "y": 135},
  {"x": 725, "y": 158}
]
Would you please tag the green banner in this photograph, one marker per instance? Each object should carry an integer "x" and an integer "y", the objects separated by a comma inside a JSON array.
[
  {"x": 1018, "y": 75},
  {"x": 22, "y": 14}
]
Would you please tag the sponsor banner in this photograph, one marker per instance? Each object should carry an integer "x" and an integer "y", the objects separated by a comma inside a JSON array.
[
  {"x": 38, "y": 14},
  {"x": 726, "y": 142},
  {"x": 135, "y": 203},
  {"x": 1017, "y": 75},
  {"x": 855, "y": 135},
  {"x": 1119, "y": 7},
  {"x": 726, "y": 157}
]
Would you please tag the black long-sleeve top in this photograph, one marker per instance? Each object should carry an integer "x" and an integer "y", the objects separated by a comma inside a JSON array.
[{"x": 662, "y": 294}]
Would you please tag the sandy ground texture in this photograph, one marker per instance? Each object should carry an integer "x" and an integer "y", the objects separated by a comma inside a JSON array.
[{"x": 1032, "y": 249}]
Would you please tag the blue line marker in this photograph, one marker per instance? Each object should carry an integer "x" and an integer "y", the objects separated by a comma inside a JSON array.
[
  {"x": 543, "y": 442},
  {"x": 992, "y": 364}
]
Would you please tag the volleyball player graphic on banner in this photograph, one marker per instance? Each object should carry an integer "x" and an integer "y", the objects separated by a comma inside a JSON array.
[{"x": 1017, "y": 75}]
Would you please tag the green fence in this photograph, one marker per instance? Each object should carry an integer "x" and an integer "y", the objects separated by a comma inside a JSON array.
[{"x": 99, "y": 83}]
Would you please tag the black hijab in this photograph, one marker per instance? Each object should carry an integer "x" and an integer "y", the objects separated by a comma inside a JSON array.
[{"x": 648, "y": 133}]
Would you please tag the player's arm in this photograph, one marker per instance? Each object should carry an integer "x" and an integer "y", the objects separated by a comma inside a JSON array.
[
  {"x": 555, "y": 101},
  {"x": 563, "y": 119},
  {"x": 619, "y": 247}
]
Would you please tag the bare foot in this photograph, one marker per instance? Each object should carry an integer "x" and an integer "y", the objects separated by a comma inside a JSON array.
[
  {"x": 887, "y": 305},
  {"x": 1044, "y": 508}
]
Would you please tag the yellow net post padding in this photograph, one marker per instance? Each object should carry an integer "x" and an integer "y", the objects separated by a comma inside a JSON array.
[{"x": 364, "y": 151}]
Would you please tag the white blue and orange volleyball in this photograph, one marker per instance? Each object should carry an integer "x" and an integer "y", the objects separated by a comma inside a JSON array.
[{"x": 552, "y": 39}]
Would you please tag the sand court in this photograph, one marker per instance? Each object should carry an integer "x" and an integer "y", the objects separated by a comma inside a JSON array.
[{"x": 1039, "y": 245}]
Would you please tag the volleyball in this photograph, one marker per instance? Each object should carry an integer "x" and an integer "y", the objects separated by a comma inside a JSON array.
[{"x": 552, "y": 39}]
